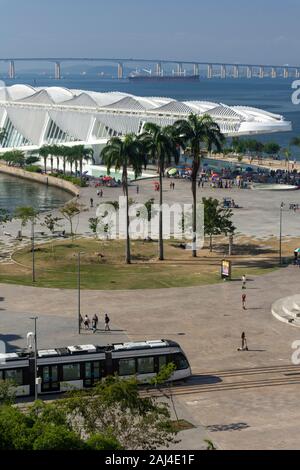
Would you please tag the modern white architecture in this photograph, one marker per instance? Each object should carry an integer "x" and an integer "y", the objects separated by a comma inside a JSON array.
[{"x": 33, "y": 117}]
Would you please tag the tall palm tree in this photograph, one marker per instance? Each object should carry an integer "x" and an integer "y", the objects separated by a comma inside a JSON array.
[
  {"x": 196, "y": 132},
  {"x": 120, "y": 154},
  {"x": 44, "y": 153},
  {"x": 160, "y": 145}
]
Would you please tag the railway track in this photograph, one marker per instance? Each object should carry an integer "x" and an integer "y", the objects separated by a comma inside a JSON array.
[{"x": 231, "y": 380}]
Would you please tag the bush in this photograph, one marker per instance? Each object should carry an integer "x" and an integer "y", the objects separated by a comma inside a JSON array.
[
  {"x": 73, "y": 179},
  {"x": 33, "y": 168},
  {"x": 55, "y": 437},
  {"x": 102, "y": 442}
]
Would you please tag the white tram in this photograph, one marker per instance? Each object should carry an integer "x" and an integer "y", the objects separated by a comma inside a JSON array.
[{"x": 79, "y": 367}]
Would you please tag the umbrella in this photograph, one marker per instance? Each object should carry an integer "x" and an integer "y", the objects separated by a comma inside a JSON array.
[
  {"x": 172, "y": 171},
  {"x": 107, "y": 178},
  {"x": 297, "y": 250}
]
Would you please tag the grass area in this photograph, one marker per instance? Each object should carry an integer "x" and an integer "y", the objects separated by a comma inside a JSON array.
[{"x": 102, "y": 266}]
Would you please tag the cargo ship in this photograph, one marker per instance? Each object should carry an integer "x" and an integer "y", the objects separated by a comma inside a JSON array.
[{"x": 135, "y": 76}]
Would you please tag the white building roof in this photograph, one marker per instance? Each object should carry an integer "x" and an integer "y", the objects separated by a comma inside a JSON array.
[{"x": 38, "y": 116}]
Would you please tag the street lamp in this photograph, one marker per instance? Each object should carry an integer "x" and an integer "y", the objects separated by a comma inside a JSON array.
[
  {"x": 35, "y": 358},
  {"x": 280, "y": 234},
  {"x": 32, "y": 249},
  {"x": 79, "y": 291}
]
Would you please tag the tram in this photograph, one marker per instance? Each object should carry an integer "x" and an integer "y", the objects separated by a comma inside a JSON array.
[{"x": 81, "y": 366}]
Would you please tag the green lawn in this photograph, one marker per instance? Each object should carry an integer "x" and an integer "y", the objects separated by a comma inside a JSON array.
[{"x": 102, "y": 266}]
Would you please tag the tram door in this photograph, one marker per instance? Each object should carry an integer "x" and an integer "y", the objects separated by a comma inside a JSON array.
[
  {"x": 49, "y": 375},
  {"x": 92, "y": 373}
]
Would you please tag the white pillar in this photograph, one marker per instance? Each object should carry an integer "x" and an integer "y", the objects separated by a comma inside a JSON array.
[
  {"x": 57, "y": 71},
  {"x": 11, "y": 70},
  {"x": 158, "y": 69},
  {"x": 249, "y": 72},
  {"x": 261, "y": 72},
  {"x": 223, "y": 71},
  {"x": 236, "y": 72},
  {"x": 196, "y": 69},
  {"x": 120, "y": 71},
  {"x": 209, "y": 71}
]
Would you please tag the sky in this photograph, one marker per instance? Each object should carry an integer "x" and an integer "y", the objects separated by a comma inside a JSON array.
[{"x": 252, "y": 31}]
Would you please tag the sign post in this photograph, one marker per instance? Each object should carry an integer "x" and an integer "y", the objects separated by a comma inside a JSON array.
[{"x": 225, "y": 269}]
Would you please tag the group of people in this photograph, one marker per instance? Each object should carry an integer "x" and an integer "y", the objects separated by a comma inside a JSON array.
[
  {"x": 172, "y": 185},
  {"x": 95, "y": 320}
]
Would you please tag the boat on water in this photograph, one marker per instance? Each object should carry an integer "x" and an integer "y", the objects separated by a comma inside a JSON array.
[{"x": 162, "y": 78}]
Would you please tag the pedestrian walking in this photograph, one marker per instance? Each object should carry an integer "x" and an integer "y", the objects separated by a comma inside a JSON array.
[
  {"x": 80, "y": 321},
  {"x": 244, "y": 343},
  {"x": 86, "y": 322},
  {"x": 244, "y": 301},
  {"x": 92, "y": 202},
  {"x": 173, "y": 186},
  {"x": 98, "y": 192},
  {"x": 101, "y": 192},
  {"x": 244, "y": 280},
  {"x": 137, "y": 189},
  {"x": 95, "y": 323},
  {"x": 106, "y": 321}
]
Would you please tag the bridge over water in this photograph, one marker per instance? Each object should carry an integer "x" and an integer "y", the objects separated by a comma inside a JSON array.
[{"x": 210, "y": 69}]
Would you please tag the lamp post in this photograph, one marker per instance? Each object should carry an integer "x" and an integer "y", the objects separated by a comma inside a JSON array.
[
  {"x": 79, "y": 291},
  {"x": 35, "y": 358},
  {"x": 32, "y": 249},
  {"x": 280, "y": 234}
]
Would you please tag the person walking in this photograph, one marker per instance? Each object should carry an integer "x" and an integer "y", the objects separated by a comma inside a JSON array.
[
  {"x": 106, "y": 321},
  {"x": 244, "y": 280},
  {"x": 92, "y": 202},
  {"x": 86, "y": 322},
  {"x": 95, "y": 323},
  {"x": 244, "y": 343},
  {"x": 244, "y": 301},
  {"x": 137, "y": 189},
  {"x": 101, "y": 192}
]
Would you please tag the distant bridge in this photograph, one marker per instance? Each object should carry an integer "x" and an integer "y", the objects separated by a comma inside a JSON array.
[{"x": 220, "y": 69}]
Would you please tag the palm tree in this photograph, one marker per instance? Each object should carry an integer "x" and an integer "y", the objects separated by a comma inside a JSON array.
[
  {"x": 160, "y": 145},
  {"x": 122, "y": 153},
  {"x": 44, "y": 153},
  {"x": 196, "y": 132},
  {"x": 287, "y": 154},
  {"x": 87, "y": 155}
]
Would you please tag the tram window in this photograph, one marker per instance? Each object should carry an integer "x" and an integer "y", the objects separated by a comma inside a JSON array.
[
  {"x": 127, "y": 367},
  {"x": 145, "y": 365},
  {"x": 16, "y": 375},
  {"x": 162, "y": 361},
  {"x": 71, "y": 372},
  {"x": 97, "y": 374},
  {"x": 180, "y": 361}
]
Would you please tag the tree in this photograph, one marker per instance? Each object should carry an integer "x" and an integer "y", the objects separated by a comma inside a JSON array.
[
  {"x": 26, "y": 214},
  {"x": 217, "y": 220},
  {"x": 195, "y": 132},
  {"x": 32, "y": 160},
  {"x": 93, "y": 224},
  {"x": 287, "y": 155},
  {"x": 7, "y": 392},
  {"x": 120, "y": 154},
  {"x": 14, "y": 158},
  {"x": 44, "y": 153},
  {"x": 51, "y": 223},
  {"x": 272, "y": 148},
  {"x": 71, "y": 210},
  {"x": 4, "y": 217},
  {"x": 160, "y": 144},
  {"x": 115, "y": 408}
]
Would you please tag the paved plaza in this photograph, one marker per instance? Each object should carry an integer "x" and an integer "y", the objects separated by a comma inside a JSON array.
[{"x": 207, "y": 321}]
